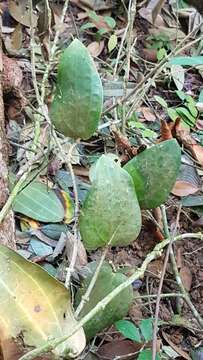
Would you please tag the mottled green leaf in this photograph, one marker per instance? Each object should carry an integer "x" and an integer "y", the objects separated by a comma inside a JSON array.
[
  {"x": 39, "y": 202},
  {"x": 154, "y": 172},
  {"x": 77, "y": 105},
  {"x": 110, "y": 210},
  {"x": 106, "y": 282}
]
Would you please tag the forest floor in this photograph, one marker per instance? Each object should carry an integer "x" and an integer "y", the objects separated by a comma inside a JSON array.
[{"x": 132, "y": 45}]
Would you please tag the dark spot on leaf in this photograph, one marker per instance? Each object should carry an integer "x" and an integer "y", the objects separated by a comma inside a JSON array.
[{"x": 37, "y": 308}]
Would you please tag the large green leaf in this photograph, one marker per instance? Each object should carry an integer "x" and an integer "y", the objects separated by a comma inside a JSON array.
[
  {"x": 154, "y": 172},
  {"x": 34, "y": 305},
  {"x": 77, "y": 105},
  {"x": 110, "y": 210},
  {"x": 106, "y": 282},
  {"x": 40, "y": 203}
]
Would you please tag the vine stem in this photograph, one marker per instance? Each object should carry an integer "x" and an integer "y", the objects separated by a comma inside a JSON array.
[
  {"x": 157, "y": 251},
  {"x": 85, "y": 297}
]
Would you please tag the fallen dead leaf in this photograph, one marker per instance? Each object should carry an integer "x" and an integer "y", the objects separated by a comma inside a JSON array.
[
  {"x": 154, "y": 269},
  {"x": 197, "y": 151},
  {"x": 148, "y": 113},
  {"x": 175, "y": 347},
  {"x": 95, "y": 48},
  {"x": 150, "y": 54},
  {"x": 119, "y": 348},
  {"x": 12, "y": 74},
  {"x": 186, "y": 277},
  {"x": 183, "y": 188}
]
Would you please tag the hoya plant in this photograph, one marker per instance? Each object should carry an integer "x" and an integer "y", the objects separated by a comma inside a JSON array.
[
  {"x": 110, "y": 216},
  {"x": 111, "y": 212}
]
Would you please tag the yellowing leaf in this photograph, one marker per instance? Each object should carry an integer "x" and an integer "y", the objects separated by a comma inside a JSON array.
[
  {"x": 68, "y": 206},
  {"x": 112, "y": 42},
  {"x": 35, "y": 305}
]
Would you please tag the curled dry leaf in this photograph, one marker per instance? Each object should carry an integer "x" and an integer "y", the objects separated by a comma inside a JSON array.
[
  {"x": 188, "y": 181},
  {"x": 95, "y": 48}
]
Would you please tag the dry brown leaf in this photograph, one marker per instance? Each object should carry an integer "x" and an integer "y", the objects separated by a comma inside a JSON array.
[
  {"x": 155, "y": 268},
  {"x": 155, "y": 7},
  {"x": 81, "y": 259},
  {"x": 118, "y": 348},
  {"x": 150, "y": 54},
  {"x": 184, "y": 188},
  {"x": 199, "y": 222},
  {"x": 197, "y": 151},
  {"x": 199, "y": 124},
  {"x": 165, "y": 131},
  {"x": 19, "y": 10},
  {"x": 95, "y": 48},
  {"x": 12, "y": 74},
  {"x": 186, "y": 277},
  {"x": 175, "y": 347},
  {"x": 148, "y": 114}
]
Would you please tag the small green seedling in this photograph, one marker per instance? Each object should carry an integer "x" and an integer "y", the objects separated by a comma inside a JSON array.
[
  {"x": 187, "y": 111},
  {"x": 142, "y": 334}
]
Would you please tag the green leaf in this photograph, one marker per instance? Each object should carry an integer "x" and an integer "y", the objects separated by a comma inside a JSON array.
[
  {"x": 191, "y": 201},
  {"x": 128, "y": 330},
  {"x": 118, "y": 307},
  {"x": 181, "y": 94},
  {"x": 110, "y": 21},
  {"x": 147, "y": 355},
  {"x": 93, "y": 15},
  {"x": 154, "y": 172},
  {"x": 161, "y": 54},
  {"x": 54, "y": 230},
  {"x": 102, "y": 31},
  {"x": 187, "y": 60},
  {"x": 77, "y": 105},
  {"x": 112, "y": 42},
  {"x": 186, "y": 116},
  {"x": 178, "y": 75},
  {"x": 86, "y": 26},
  {"x": 33, "y": 303},
  {"x": 197, "y": 354},
  {"x": 110, "y": 210},
  {"x": 39, "y": 248},
  {"x": 201, "y": 96},
  {"x": 172, "y": 114},
  {"x": 193, "y": 109},
  {"x": 40, "y": 203},
  {"x": 146, "y": 327},
  {"x": 161, "y": 101}
]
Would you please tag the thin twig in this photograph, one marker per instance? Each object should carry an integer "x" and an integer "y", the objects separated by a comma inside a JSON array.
[
  {"x": 87, "y": 294},
  {"x": 53, "y": 51},
  {"x": 167, "y": 234},
  {"x": 156, "y": 70},
  {"x": 131, "y": 18},
  {"x": 157, "y": 251}
]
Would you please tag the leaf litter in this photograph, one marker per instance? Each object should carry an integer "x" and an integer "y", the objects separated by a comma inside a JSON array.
[{"x": 156, "y": 32}]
